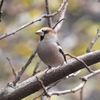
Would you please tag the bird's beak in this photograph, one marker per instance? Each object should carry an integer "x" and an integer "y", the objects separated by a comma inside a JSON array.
[{"x": 40, "y": 33}]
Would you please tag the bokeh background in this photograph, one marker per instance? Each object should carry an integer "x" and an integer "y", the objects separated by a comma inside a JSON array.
[{"x": 79, "y": 28}]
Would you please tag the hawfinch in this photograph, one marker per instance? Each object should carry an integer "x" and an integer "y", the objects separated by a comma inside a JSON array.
[{"x": 48, "y": 48}]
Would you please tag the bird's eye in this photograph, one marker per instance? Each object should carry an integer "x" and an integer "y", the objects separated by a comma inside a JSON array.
[{"x": 45, "y": 31}]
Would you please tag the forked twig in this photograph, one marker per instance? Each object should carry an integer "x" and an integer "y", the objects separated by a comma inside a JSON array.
[
  {"x": 73, "y": 74},
  {"x": 80, "y": 86},
  {"x": 21, "y": 71},
  {"x": 94, "y": 40},
  {"x": 81, "y": 61},
  {"x": 12, "y": 66},
  {"x": 48, "y": 12},
  {"x": 36, "y": 67},
  {"x": 45, "y": 90},
  {"x": 61, "y": 16},
  {"x": 58, "y": 22},
  {"x": 36, "y": 20}
]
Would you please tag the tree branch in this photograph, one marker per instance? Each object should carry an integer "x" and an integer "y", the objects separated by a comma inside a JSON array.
[
  {"x": 21, "y": 71},
  {"x": 48, "y": 12},
  {"x": 94, "y": 40},
  {"x": 58, "y": 23},
  {"x": 61, "y": 15},
  {"x": 1, "y": 4},
  {"x": 72, "y": 56},
  {"x": 31, "y": 85},
  {"x": 45, "y": 90},
  {"x": 34, "y": 21},
  {"x": 36, "y": 67},
  {"x": 12, "y": 66}
]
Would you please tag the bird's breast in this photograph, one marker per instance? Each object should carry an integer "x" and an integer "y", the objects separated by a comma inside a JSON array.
[{"x": 49, "y": 54}]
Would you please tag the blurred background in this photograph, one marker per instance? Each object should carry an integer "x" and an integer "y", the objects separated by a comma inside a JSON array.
[{"x": 79, "y": 28}]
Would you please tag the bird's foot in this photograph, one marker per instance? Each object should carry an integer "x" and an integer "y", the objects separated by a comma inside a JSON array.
[
  {"x": 45, "y": 73},
  {"x": 55, "y": 68}
]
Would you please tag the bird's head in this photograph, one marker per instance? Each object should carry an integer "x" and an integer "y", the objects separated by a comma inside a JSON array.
[{"x": 47, "y": 34}]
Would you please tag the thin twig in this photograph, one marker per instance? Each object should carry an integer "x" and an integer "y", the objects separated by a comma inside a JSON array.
[
  {"x": 58, "y": 22},
  {"x": 45, "y": 91},
  {"x": 36, "y": 67},
  {"x": 61, "y": 15},
  {"x": 31, "y": 85},
  {"x": 34, "y": 21},
  {"x": 52, "y": 85},
  {"x": 12, "y": 66},
  {"x": 1, "y": 4},
  {"x": 21, "y": 71},
  {"x": 94, "y": 40},
  {"x": 73, "y": 74},
  {"x": 81, "y": 92},
  {"x": 81, "y": 61},
  {"x": 67, "y": 91},
  {"x": 48, "y": 12},
  {"x": 80, "y": 86},
  {"x": 47, "y": 88}
]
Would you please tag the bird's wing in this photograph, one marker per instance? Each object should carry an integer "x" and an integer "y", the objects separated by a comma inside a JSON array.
[{"x": 61, "y": 51}]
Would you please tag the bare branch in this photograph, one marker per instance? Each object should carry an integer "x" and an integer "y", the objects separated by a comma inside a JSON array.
[
  {"x": 31, "y": 85},
  {"x": 36, "y": 67},
  {"x": 12, "y": 66},
  {"x": 68, "y": 91},
  {"x": 45, "y": 91},
  {"x": 94, "y": 40},
  {"x": 52, "y": 85},
  {"x": 79, "y": 87},
  {"x": 49, "y": 87},
  {"x": 62, "y": 15},
  {"x": 34, "y": 21},
  {"x": 21, "y": 71},
  {"x": 81, "y": 92},
  {"x": 48, "y": 12},
  {"x": 1, "y": 4},
  {"x": 80, "y": 62},
  {"x": 58, "y": 22},
  {"x": 73, "y": 74}
]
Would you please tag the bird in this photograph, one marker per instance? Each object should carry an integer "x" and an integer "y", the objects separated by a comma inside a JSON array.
[{"x": 48, "y": 48}]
